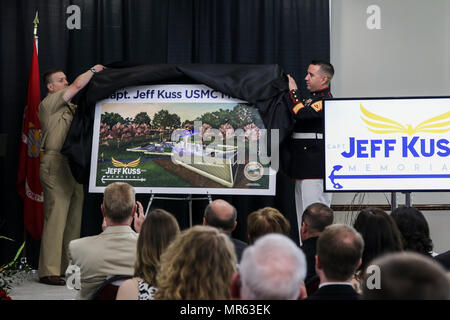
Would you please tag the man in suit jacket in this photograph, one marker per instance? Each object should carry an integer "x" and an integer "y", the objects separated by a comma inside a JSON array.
[
  {"x": 315, "y": 219},
  {"x": 222, "y": 215},
  {"x": 113, "y": 252},
  {"x": 339, "y": 252}
]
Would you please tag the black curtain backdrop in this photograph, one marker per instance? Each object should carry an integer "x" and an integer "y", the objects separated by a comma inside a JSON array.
[{"x": 289, "y": 33}]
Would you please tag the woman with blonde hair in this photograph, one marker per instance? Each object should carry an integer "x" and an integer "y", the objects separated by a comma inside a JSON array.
[
  {"x": 198, "y": 265},
  {"x": 158, "y": 230}
]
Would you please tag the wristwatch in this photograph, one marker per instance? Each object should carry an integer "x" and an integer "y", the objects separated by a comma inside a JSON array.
[{"x": 93, "y": 70}]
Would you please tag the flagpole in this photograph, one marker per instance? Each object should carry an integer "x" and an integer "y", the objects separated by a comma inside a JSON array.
[{"x": 36, "y": 22}]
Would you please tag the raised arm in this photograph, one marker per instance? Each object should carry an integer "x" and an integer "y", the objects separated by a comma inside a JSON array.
[{"x": 81, "y": 81}]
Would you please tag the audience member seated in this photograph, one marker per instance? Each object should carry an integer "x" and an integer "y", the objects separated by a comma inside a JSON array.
[
  {"x": 406, "y": 276},
  {"x": 273, "y": 268},
  {"x": 158, "y": 231},
  {"x": 113, "y": 252},
  {"x": 414, "y": 230},
  {"x": 444, "y": 259},
  {"x": 315, "y": 218},
  {"x": 222, "y": 215},
  {"x": 197, "y": 265},
  {"x": 339, "y": 252},
  {"x": 380, "y": 234},
  {"x": 264, "y": 221}
]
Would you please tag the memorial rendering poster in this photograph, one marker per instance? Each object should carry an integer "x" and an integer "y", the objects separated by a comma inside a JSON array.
[
  {"x": 381, "y": 144},
  {"x": 184, "y": 139}
]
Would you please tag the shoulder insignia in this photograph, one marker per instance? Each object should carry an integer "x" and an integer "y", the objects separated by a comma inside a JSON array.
[
  {"x": 317, "y": 106},
  {"x": 297, "y": 107}
]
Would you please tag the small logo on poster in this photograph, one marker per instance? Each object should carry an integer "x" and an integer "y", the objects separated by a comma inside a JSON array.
[
  {"x": 131, "y": 164},
  {"x": 123, "y": 171},
  {"x": 253, "y": 171}
]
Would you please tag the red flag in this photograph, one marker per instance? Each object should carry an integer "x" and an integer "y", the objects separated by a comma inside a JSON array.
[{"x": 28, "y": 181}]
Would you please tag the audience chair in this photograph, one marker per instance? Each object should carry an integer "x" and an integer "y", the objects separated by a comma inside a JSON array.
[{"x": 108, "y": 289}]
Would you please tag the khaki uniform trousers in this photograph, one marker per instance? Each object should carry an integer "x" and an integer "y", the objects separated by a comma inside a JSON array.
[{"x": 63, "y": 206}]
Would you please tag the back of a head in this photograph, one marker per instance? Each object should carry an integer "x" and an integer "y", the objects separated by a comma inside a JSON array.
[
  {"x": 220, "y": 214},
  {"x": 264, "y": 221},
  {"x": 119, "y": 199},
  {"x": 273, "y": 268},
  {"x": 407, "y": 276},
  {"x": 339, "y": 250},
  {"x": 317, "y": 217},
  {"x": 380, "y": 234},
  {"x": 414, "y": 229},
  {"x": 158, "y": 230},
  {"x": 198, "y": 264}
]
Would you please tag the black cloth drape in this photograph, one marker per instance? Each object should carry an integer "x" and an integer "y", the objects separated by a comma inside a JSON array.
[
  {"x": 265, "y": 86},
  {"x": 289, "y": 33}
]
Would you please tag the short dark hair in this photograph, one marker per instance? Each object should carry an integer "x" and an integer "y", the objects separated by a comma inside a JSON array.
[
  {"x": 339, "y": 250},
  {"x": 264, "y": 221},
  {"x": 318, "y": 216},
  {"x": 326, "y": 68},
  {"x": 214, "y": 221},
  {"x": 48, "y": 75},
  {"x": 408, "y": 276}
]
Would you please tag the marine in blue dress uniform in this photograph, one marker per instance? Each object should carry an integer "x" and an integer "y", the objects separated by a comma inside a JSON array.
[{"x": 306, "y": 145}]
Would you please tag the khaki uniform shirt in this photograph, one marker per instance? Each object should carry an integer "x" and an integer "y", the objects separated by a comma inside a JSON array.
[{"x": 56, "y": 116}]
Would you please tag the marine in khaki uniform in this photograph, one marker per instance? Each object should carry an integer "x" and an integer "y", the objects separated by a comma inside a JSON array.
[{"x": 63, "y": 196}]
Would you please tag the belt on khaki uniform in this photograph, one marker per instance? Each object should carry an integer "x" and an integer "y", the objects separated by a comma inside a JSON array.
[
  {"x": 55, "y": 153},
  {"x": 52, "y": 152},
  {"x": 307, "y": 135}
]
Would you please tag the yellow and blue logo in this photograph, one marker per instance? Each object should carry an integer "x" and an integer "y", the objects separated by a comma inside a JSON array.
[
  {"x": 131, "y": 164},
  {"x": 438, "y": 124}
]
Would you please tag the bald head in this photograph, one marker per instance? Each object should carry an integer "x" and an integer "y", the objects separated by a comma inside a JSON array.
[{"x": 220, "y": 214}]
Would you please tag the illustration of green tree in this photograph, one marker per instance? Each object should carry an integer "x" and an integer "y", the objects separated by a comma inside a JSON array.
[
  {"x": 111, "y": 118},
  {"x": 164, "y": 119},
  {"x": 216, "y": 118},
  {"x": 142, "y": 118}
]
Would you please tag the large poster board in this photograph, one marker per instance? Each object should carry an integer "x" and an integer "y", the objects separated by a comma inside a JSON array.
[
  {"x": 184, "y": 139},
  {"x": 380, "y": 144}
]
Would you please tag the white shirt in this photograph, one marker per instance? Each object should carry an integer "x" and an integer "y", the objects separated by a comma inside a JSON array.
[{"x": 334, "y": 283}]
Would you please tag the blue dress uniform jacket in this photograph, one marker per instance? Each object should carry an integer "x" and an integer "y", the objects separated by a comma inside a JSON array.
[{"x": 307, "y": 155}]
